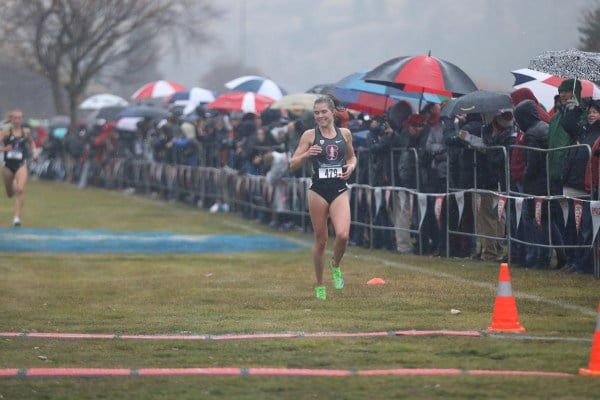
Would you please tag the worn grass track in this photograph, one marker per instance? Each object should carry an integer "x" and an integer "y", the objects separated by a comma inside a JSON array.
[{"x": 271, "y": 292}]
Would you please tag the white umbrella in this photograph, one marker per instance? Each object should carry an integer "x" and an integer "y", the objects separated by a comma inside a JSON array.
[
  {"x": 192, "y": 98},
  {"x": 545, "y": 86},
  {"x": 195, "y": 95},
  {"x": 156, "y": 89},
  {"x": 256, "y": 84},
  {"x": 99, "y": 101},
  {"x": 247, "y": 102},
  {"x": 128, "y": 123}
]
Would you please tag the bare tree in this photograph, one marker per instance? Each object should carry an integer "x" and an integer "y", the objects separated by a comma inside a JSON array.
[{"x": 72, "y": 42}]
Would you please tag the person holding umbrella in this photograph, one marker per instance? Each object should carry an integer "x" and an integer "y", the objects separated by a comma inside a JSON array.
[
  {"x": 17, "y": 145},
  {"x": 575, "y": 171},
  {"x": 330, "y": 150},
  {"x": 569, "y": 96}
]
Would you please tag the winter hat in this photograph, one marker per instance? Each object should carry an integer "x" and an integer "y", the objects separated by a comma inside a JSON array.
[
  {"x": 595, "y": 104},
  {"x": 567, "y": 86}
]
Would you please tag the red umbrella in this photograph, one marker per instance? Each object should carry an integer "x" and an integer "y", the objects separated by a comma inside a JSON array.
[
  {"x": 157, "y": 89},
  {"x": 424, "y": 74},
  {"x": 247, "y": 102}
]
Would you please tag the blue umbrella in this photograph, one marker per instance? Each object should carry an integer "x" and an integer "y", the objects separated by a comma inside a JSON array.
[{"x": 373, "y": 98}]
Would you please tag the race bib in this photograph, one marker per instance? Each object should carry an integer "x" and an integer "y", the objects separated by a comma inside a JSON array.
[
  {"x": 330, "y": 172},
  {"x": 14, "y": 155}
]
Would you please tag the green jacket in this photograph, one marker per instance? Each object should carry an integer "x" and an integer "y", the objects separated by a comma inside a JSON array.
[{"x": 558, "y": 137}]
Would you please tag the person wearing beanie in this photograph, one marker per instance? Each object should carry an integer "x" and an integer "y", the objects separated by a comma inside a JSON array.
[
  {"x": 461, "y": 160},
  {"x": 535, "y": 175},
  {"x": 517, "y": 168},
  {"x": 571, "y": 85},
  {"x": 570, "y": 96}
]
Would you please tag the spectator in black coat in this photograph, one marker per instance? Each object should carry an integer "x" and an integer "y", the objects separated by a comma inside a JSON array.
[{"x": 534, "y": 181}]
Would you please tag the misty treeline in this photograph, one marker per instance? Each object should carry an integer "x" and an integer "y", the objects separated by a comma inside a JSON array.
[
  {"x": 73, "y": 44},
  {"x": 52, "y": 52},
  {"x": 589, "y": 30}
]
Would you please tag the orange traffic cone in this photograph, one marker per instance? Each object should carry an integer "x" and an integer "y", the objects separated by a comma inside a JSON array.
[
  {"x": 594, "y": 367},
  {"x": 505, "y": 317}
]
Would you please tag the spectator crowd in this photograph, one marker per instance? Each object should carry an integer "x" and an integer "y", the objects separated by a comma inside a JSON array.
[{"x": 516, "y": 184}]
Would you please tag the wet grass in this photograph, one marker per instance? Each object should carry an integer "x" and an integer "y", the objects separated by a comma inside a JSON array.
[{"x": 271, "y": 292}]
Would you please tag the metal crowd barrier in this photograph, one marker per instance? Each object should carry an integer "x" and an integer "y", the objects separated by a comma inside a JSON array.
[{"x": 251, "y": 195}]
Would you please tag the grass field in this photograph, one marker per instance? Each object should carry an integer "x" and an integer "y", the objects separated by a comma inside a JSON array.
[{"x": 271, "y": 292}]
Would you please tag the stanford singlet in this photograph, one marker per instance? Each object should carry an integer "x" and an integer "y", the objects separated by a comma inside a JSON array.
[{"x": 328, "y": 164}]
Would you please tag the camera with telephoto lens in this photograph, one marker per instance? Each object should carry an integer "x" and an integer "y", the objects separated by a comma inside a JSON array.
[{"x": 381, "y": 128}]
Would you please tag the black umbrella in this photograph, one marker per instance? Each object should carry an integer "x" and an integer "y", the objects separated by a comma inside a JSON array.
[
  {"x": 480, "y": 101},
  {"x": 424, "y": 74},
  {"x": 571, "y": 63},
  {"x": 144, "y": 112}
]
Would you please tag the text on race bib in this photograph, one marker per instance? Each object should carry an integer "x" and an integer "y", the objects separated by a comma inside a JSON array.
[
  {"x": 330, "y": 172},
  {"x": 14, "y": 155}
]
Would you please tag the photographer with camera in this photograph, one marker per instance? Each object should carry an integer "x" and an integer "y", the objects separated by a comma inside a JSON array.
[
  {"x": 576, "y": 180},
  {"x": 379, "y": 145},
  {"x": 437, "y": 153}
]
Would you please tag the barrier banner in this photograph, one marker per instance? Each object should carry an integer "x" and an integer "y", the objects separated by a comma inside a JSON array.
[
  {"x": 377, "y": 199},
  {"x": 564, "y": 206},
  {"x": 595, "y": 211},
  {"x": 539, "y": 201},
  {"x": 422, "y": 199},
  {"x": 388, "y": 194},
  {"x": 501, "y": 205},
  {"x": 460, "y": 202},
  {"x": 439, "y": 200},
  {"x": 578, "y": 210},
  {"x": 518, "y": 209},
  {"x": 402, "y": 199}
]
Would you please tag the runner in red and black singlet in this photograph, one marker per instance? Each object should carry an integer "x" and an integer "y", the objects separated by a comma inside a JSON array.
[{"x": 17, "y": 146}]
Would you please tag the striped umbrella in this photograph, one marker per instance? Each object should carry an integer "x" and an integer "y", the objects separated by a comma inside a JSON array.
[
  {"x": 545, "y": 86},
  {"x": 157, "y": 89},
  {"x": 256, "y": 84},
  {"x": 247, "y": 102}
]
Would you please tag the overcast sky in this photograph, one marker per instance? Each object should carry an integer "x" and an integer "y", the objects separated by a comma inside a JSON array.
[{"x": 300, "y": 44}]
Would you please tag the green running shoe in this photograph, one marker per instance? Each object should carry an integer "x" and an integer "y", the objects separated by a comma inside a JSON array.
[
  {"x": 338, "y": 281},
  {"x": 321, "y": 292}
]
